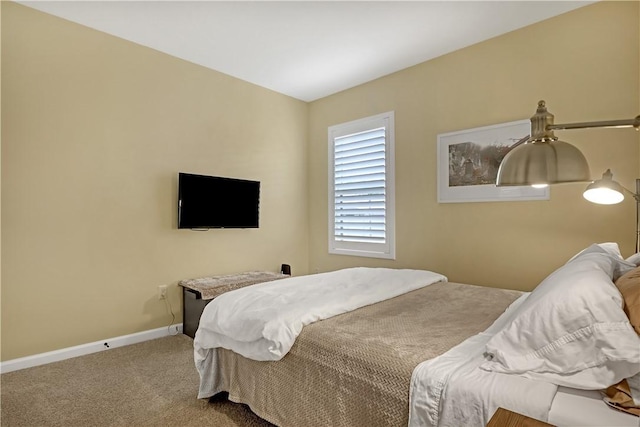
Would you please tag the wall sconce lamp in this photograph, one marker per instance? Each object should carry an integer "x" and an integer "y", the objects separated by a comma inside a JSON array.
[{"x": 541, "y": 159}]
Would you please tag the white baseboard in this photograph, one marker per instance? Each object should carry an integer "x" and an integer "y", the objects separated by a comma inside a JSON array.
[{"x": 84, "y": 349}]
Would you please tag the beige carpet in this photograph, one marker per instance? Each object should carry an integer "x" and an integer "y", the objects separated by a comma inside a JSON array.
[{"x": 153, "y": 383}]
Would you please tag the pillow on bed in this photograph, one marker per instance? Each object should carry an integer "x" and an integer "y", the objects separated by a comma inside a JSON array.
[
  {"x": 607, "y": 247},
  {"x": 634, "y": 259},
  {"x": 571, "y": 330},
  {"x": 629, "y": 287},
  {"x": 621, "y": 266}
]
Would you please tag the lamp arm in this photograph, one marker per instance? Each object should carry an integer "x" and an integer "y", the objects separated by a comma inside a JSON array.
[
  {"x": 636, "y": 194},
  {"x": 634, "y": 123}
]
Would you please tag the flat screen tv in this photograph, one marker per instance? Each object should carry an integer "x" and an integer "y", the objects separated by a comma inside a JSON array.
[{"x": 217, "y": 202}]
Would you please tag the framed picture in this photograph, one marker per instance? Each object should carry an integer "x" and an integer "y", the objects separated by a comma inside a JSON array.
[{"x": 468, "y": 162}]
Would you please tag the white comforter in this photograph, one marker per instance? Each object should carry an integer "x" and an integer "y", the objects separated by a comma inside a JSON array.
[
  {"x": 261, "y": 322},
  {"x": 451, "y": 390}
]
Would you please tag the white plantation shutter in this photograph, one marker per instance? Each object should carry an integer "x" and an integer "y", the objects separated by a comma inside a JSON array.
[
  {"x": 361, "y": 208},
  {"x": 359, "y": 191}
]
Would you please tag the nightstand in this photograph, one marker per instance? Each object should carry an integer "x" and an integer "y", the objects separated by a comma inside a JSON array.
[{"x": 505, "y": 418}]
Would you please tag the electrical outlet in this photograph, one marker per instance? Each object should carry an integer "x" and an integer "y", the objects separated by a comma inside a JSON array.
[{"x": 162, "y": 291}]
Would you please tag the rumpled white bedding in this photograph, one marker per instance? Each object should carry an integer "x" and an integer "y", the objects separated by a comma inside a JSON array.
[
  {"x": 261, "y": 322},
  {"x": 451, "y": 389}
]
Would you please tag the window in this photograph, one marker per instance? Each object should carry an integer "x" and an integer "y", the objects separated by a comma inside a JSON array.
[{"x": 361, "y": 187}]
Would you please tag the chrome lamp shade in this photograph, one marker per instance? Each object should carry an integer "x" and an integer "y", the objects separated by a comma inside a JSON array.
[
  {"x": 542, "y": 159},
  {"x": 541, "y": 162}
]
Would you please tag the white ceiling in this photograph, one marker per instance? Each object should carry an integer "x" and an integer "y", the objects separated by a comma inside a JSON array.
[{"x": 306, "y": 49}]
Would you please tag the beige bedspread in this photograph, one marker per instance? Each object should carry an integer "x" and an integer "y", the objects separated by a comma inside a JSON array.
[{"x": 355, "y": 369}]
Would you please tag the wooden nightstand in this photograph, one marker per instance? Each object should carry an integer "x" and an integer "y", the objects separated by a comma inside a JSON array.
[{"x": 505, "y": 418}]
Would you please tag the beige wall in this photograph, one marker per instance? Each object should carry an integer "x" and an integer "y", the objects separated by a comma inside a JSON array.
[
  {"x": 95, "y": 130},
  {"x": 584, "y": 64}
]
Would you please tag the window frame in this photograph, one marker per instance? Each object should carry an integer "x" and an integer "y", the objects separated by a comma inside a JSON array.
[{"x": 386, "y": 250}]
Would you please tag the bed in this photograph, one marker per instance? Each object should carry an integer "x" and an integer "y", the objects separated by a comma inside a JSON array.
[{"x": 408, "y": 347}]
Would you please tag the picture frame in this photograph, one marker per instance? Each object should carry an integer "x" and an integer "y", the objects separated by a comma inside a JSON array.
[{"x": 468, "y": 162}]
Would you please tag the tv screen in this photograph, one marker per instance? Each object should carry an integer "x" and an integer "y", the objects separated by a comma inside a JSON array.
[{"x": 217, "y": 202}]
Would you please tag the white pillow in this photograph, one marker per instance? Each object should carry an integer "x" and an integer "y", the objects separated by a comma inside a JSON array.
[
  {"x": 571, "y": 330},
  {"x": 634, "y": 259},
  {"x": 608, "y": 247},
  {"x": 621, "y": 266}
]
